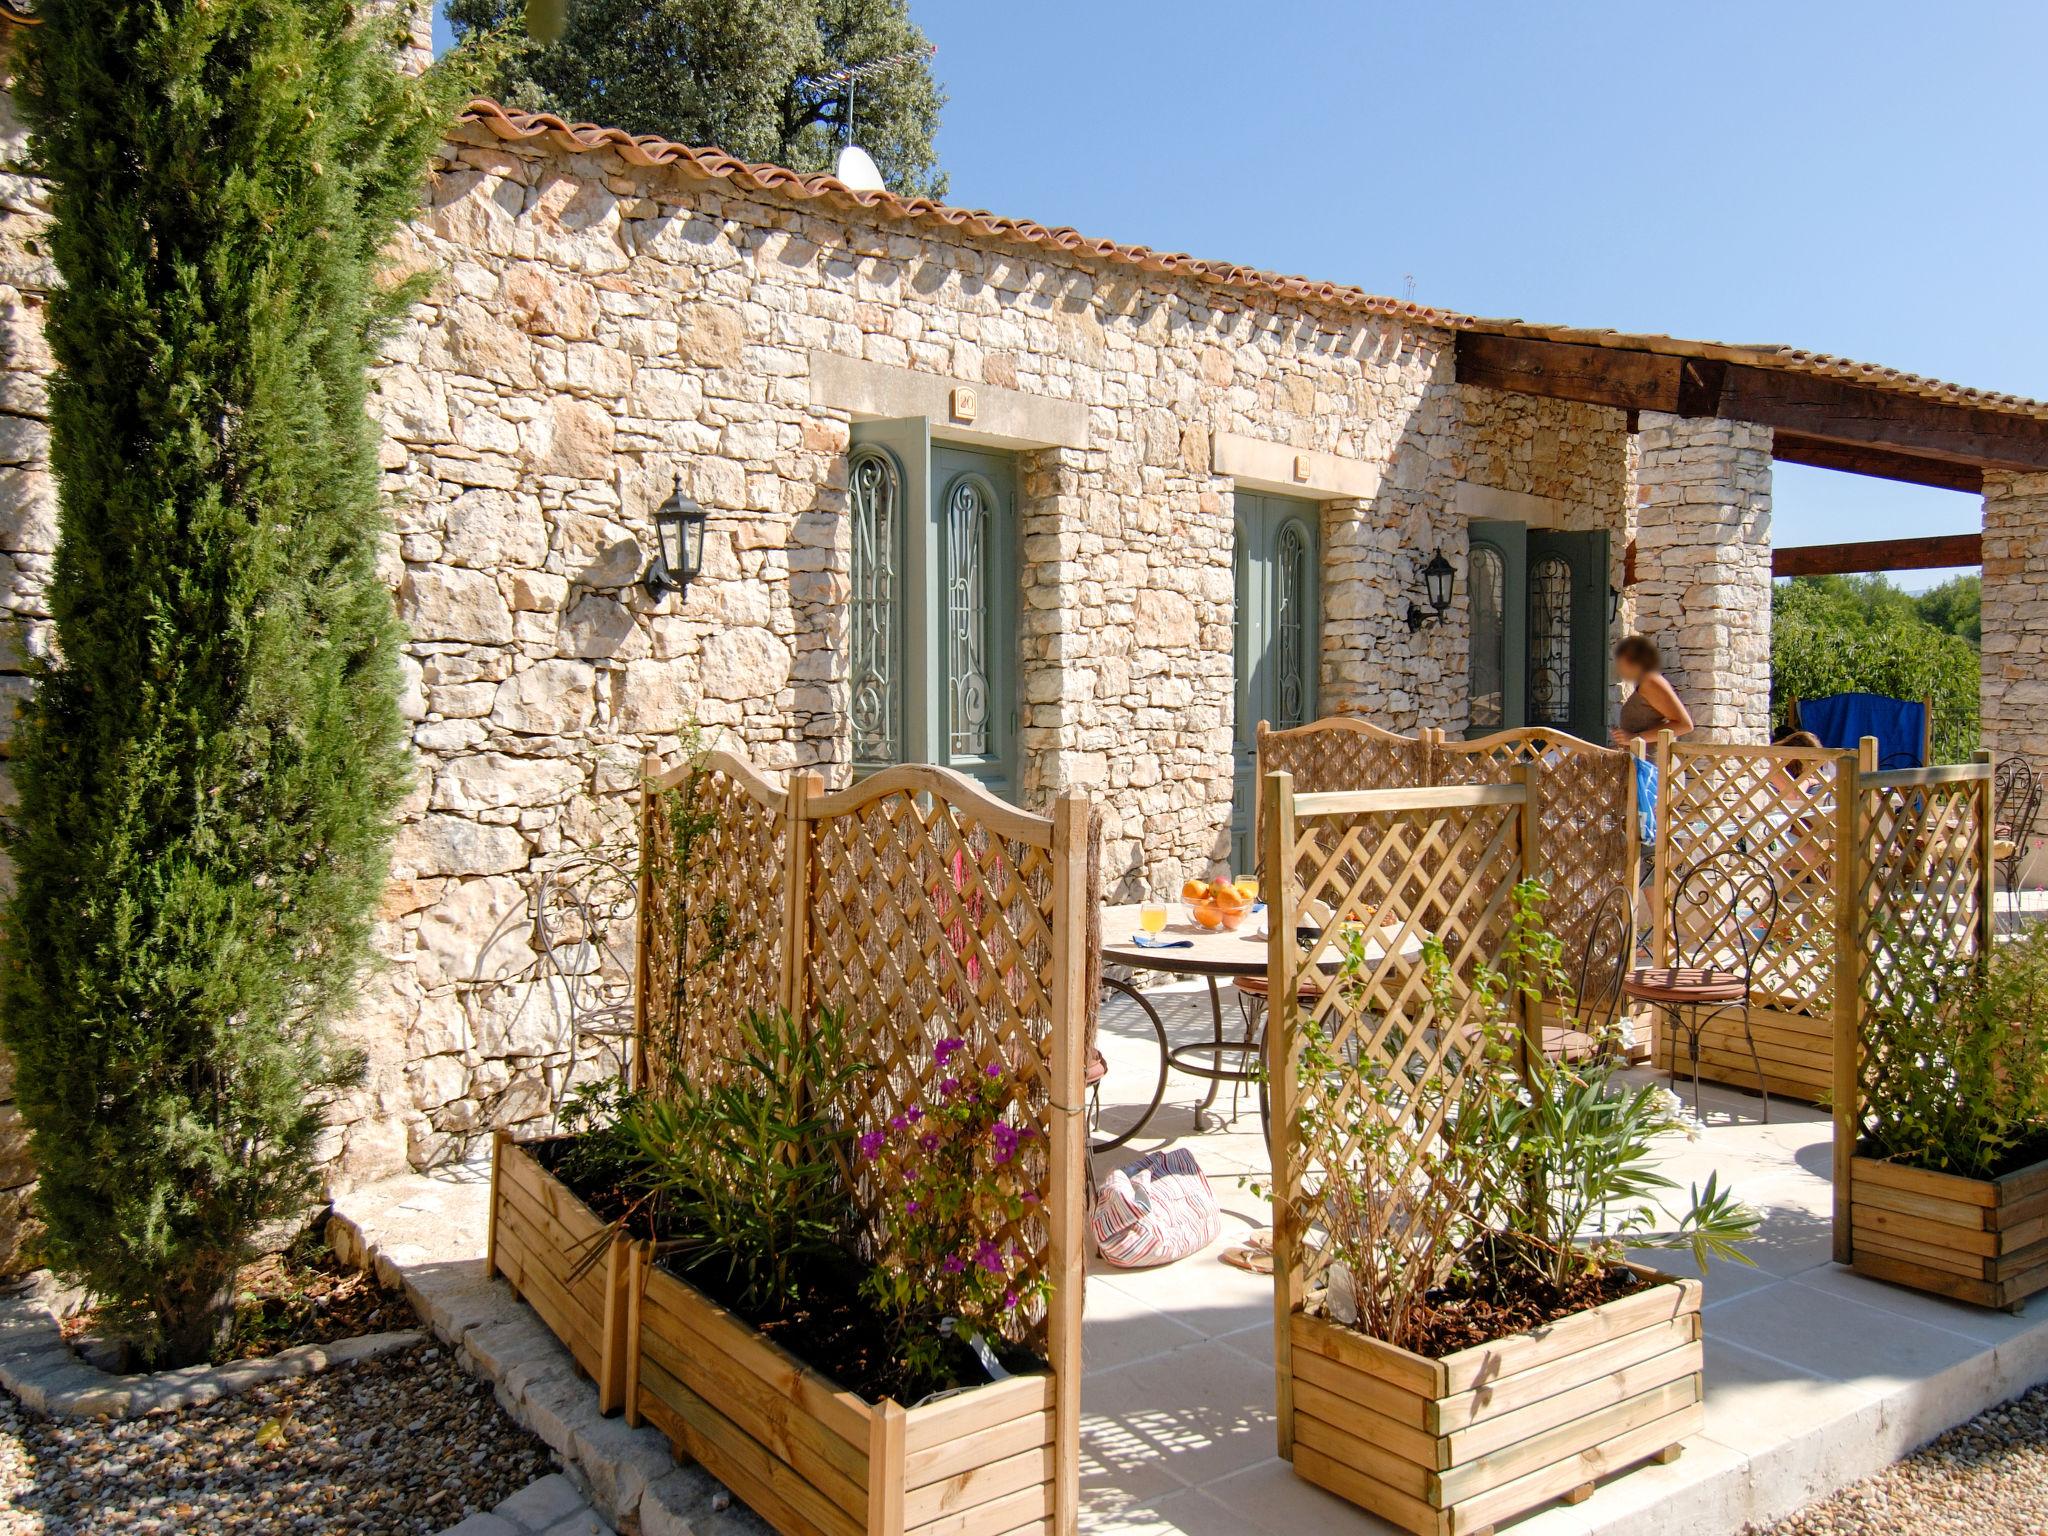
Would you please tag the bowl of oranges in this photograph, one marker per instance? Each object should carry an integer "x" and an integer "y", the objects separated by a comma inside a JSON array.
[{"x": 1220, "y": 904}]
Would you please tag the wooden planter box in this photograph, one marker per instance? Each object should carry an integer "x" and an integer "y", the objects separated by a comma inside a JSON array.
[
  {"x": 1797, "y": 1051},
  {"x": 542, "y": 1239},
  {"x": 815, "y": 1460},
  {"x": 1451, "y": 1447},
  {"x": 1977, "y": 1240}
]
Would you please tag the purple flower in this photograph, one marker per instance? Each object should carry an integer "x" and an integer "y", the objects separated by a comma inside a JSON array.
[
  {"x": 947, "y": 1049},
  {"x": 929, "y": 1141},
  {"x": 994, "y": 1069},
  {"x": 897, "y": 1122},
  {"x": 1006, "y": 1138},
  {"x": 954, "y": 1264},
  {"x": 910, "y": 1207},
  {"x": 989, "y": 1257},
  {"x": 949, "y": 1086},
  {"x": 871, "y": 1143},
  {"x": 1010, "y": 1300},
  {"x": 912, "y": 1115}
]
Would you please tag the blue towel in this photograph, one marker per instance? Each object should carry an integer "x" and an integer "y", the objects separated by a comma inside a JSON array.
[
  {"x": 1646, "y": 801},
  {"x": 1844, "y": 719}
]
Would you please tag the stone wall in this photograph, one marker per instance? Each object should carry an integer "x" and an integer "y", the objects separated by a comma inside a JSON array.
[
  {"x": 2014, "y": 680},
  {"x": 1703, "y": 567},
  {"x": 599, "y": 334}
]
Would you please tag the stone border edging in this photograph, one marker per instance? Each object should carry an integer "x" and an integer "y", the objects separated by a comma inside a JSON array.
[
  {"x": 630, "y": 1476},
  {"x": 38, "y": 1367}
]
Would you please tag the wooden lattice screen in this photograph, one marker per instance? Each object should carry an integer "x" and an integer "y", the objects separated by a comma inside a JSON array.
[
  {"x": 1781, "y": 807},
  {"x": 1586, "y": 833},
  {"x": 1923, "y": 879},
  {"x": 1415, "y": 863},
  {"x": 1586, "y": 837},
  {"x": 714, "y": 912},
  {"x": 926, "y": 909}
]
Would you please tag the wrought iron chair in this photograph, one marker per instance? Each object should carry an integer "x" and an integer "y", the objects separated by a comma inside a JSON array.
[
  {"x": 2016, "y": 794},
  {"x": 1605, "y": 961},
  {"x": 1729, "y": 904}
]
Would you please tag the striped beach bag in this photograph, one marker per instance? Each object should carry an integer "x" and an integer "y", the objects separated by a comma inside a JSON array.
[{"x": 1155, "y": 1210}]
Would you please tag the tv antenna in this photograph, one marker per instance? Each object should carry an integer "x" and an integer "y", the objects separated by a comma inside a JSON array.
[{"x": 856, "y": 167}]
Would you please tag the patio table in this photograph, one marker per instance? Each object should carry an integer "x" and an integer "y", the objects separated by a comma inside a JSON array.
[{"x": 1215, "y": 956}]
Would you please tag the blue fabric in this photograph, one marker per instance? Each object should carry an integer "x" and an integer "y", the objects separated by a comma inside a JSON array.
[
  {"x": 1844, "y": 719},
  {"x": 1646, "y": 801}
]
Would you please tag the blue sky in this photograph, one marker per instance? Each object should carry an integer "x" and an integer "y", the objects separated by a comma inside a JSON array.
[{"x": 1866, "y": 179}]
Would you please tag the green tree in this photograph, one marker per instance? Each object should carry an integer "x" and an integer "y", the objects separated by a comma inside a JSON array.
[
  {"x": 1955, "y": 606},
  {"x": 1844, "y": 634},
  {"x": 207, "y": 768},
  {"x": 738, "y": 74}
]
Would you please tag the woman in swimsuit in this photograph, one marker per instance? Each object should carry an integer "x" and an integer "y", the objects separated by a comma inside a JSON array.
[{"x": 1654, "y": 705}]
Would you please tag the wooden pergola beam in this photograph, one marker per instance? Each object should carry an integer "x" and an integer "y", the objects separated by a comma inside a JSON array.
[
  {"x": 1891, "y": 431},
  {"x": 1881, "y": 463},
  {"x": 1879, "y": 555}
]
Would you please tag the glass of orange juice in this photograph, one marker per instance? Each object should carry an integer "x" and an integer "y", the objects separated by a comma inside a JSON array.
[{"x": 1152, "y": 915}]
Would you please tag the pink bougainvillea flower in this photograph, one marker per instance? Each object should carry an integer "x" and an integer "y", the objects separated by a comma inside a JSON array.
[
  {"x": 947, "y": 1049},
  {"x": 871, "y": 1143},
  {"x": 994, "y": 1069},
  {"x": 949, "y": 1086},
  {"x": 989, "y": 1256},
  {"x": 954, "y": 1264}
]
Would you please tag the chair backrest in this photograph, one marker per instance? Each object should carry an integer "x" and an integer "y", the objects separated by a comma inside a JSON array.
[
  {"x": 1723, "y": 911},
  {"x": 1604, "y": 963},
  {"x": 1904, "y": 728},
  {"x": 2015, "y": 797}
]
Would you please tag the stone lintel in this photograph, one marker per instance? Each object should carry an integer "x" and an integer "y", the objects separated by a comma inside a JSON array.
[
  {"x": 959, "y": 410},
  {"x": 1259, "y": 465}
]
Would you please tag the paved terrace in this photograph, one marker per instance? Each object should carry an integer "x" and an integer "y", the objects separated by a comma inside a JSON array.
[{"x": 1815, "y": 1377}]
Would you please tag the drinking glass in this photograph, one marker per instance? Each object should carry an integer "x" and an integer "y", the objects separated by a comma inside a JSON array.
[{"x": 1152, "y": 915}]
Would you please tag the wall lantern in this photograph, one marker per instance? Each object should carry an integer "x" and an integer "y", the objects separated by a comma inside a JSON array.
[
  {"x": 1437, "y": 577},
  {"x": 1613, "y": 603},
  {"x": 678, "y": 546}
]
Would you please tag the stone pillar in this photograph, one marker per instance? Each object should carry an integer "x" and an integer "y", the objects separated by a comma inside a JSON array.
[
  {"x": 1703, "y": 567},
  {"x": 2013, "y": 686}
]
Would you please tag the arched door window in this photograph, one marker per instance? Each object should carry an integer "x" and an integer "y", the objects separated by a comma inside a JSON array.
[
  {"x": 1550, "y": 642},
  {"x": 1489, "y": 639},
  {"x": 969, "y": 501},
  {"x": 876, "y": 648}
]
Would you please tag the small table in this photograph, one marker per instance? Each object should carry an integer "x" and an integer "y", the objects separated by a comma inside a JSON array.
[{"x": 1214, "y": 955}]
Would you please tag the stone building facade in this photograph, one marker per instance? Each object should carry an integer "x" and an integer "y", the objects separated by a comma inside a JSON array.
[{"x": 613, "y": 321}]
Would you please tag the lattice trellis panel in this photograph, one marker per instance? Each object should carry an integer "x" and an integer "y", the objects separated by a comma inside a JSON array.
[
  {"x": 1585, "y": 843},
  {"x": 713, "y": 913},
  {"x": 1780, "y": 806},
  {"x": 931, "y": 911},
  {"x": 1923, "y": 886},
  {"x": 1342, "y": 753},
  {"x": 1447, "y": 870}
]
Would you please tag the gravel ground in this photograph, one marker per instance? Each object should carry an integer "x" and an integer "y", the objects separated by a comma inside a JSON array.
[
  {"x": 1988, "y": 1477},
  {"x": 409, "y": 1443}
]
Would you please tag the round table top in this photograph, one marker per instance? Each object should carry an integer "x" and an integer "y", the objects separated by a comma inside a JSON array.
[{"x": 1212, "y": 952}]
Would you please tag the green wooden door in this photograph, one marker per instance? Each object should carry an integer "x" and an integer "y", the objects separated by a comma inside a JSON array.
[
  {"x": 932, "y": 606},
  {"x": 973, "y": 682},
  {"x": 1567, "y": 672},
  {"x": 1498, "y": 590},
  {"x": 1278, "y": 642}
]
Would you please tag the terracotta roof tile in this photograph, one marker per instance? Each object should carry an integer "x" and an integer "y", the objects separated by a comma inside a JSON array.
[{"x": 716, "y": 164}]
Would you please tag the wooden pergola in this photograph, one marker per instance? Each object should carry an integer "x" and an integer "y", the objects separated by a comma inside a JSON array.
[{"x": 1822, "y": 412}]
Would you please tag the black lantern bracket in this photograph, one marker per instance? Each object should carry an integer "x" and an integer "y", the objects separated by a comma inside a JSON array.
[
  {"x": 1437, "y": 579},
  {"x": 678, "y": 546}
]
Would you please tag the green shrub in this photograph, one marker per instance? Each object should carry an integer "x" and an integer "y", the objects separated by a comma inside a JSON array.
[
  {"x": 1957, "y": 1067},
  {"x": 1532, "y": 1177},
  {"x": 745, "y": 1168},
  {"x": 208, "y": 765}
]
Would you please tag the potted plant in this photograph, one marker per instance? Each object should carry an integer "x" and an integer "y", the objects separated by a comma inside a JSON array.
[
  {"x": 1471, "y": 1343},
  {"x": 778, "y": 1337},
  {"x": 1948, "y": 1187}
]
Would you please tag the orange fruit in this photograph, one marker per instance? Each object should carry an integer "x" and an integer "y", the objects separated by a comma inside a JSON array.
[{"x": 1195, "y": 890}]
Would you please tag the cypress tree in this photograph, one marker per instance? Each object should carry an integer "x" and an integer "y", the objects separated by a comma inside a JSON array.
[{"x": 207, "y": 769}]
